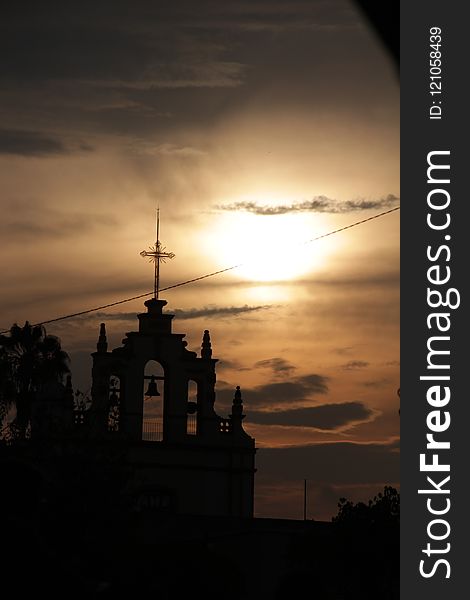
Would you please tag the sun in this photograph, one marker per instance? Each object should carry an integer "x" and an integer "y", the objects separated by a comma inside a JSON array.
[{"x": 268, "y": 247}]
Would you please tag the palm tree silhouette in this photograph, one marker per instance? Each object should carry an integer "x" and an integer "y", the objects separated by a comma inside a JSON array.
[{"x": 29, "y": 358}]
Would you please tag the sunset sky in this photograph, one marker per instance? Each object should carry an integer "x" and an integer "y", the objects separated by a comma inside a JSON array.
[{"x": 256, "y": 126}]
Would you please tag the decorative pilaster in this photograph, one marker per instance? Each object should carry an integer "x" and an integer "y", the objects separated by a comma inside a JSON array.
[
  {"x": 237, "y": 416},
  {"x": 206, "y": 348},
  {"x": 102, "y": 345}
]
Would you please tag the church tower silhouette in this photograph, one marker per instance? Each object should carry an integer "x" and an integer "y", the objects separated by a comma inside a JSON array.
[{"x": 185, "y": 458}]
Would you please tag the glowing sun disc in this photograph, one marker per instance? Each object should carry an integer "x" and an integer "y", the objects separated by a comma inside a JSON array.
[{"x": 268, "y": 247}]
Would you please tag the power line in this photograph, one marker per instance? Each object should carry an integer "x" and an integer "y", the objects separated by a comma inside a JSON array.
[
  {"x": 170, "y": 287},
  {"x": 386, "y": 212},
  {"x": 188, "y": 281}
]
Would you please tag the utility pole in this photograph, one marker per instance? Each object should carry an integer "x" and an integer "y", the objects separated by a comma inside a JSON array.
[{"x": 305, "y": 499}]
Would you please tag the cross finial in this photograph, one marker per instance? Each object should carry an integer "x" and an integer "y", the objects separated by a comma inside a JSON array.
[{"x": 157, "y": 254}]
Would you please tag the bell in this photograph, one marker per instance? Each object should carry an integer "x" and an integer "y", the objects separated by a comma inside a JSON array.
[{"x": 152, "y": 389}]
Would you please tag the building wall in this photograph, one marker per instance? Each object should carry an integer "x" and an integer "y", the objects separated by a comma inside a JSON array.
[{"x": 204, "y": 481}]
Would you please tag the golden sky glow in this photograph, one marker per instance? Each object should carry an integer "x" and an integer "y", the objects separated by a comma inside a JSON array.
[
  {"x": 255, "y": 127},
  {"x": 266, "y": 248}
]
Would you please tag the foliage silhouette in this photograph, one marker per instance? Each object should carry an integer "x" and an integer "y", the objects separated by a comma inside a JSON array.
[
  {"x": 29, "y": 358},
  {"x": 383, "y": 509},
  {"x": 355, "y": 557}
]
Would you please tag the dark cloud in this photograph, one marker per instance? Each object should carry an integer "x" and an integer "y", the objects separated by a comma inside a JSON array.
[
  {"x": 186, "y": 314},
  {"x": 131, "y": 48},
  {"x": 113, "y": 67},
  {"x": 279, "y": 366},
  {"x": 386, "y": 277},
  {"x": 296, "y": 390},
  {"x": 22, "y": 220},
  {"x": 143, "y": 18},
  {"x": 376, "y": 383},
  {"x": 384, "y": 426},
  {"x": 224, "y": 385},
  {"x": 339, "y": 463},
  {"x": 235, "y": 365},
  {"x": 343, "y": 351},
  {"x": 325, "y": 416},
  {"x": 354, "y": 365},
  {"x": 149, "y": 149},
  {"x": 122, "y": 70},
  {"x": 29, "y": 143},
  {"x": 105, "y": 316},
  {"x": 217, "y": 311},
  {"x": 320, "y": 204}
]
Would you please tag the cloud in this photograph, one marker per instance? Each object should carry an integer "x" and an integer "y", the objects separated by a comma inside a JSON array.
[
  {"x": 354, "y": 365},
  {"x": 29, "y": 143},
  {"x": 123, "y": 70},
  {"x": 325, "y": 416},
  {"x": 149, "y": 149},
  {"x": 279, "y": 366},
  {"x": 342, "y": 351},
  {"x": 24, "y": 220},
  {"x": 191, "y": 74},
  {"x": 376, "y": 383},
  {"x": 111, "y": 71},
  {"x": 235, "y": 365},
  {"x": 217, "y": 311},
  {"x": 319, "y": 204},
  {"x": 142, "y": 49},
  {"x": 296, "y": 390},
  {"x": 186, "y": 314}
]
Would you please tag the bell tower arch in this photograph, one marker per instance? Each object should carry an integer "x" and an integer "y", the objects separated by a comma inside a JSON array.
[{"x": 153, "y": 402}]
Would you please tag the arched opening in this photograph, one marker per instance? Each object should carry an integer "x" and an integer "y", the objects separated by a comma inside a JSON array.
[
  {"x": 114, "y": 403},
  {"x": 154, "y": 398},
  {"x": 191, "y": 417}
]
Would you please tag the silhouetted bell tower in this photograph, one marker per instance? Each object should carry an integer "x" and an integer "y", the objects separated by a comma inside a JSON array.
[{"x": 202, "y": 462}]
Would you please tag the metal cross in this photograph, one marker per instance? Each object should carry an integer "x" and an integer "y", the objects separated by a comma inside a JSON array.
[{"x": 157, "y": 254}]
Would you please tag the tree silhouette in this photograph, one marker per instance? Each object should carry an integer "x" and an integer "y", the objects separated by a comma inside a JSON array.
[
  {"x": 356, "y": 557},
  {"x": 29, "y": 358},
  {"x": 383, "y": 509},
  {"x": 370, "y": 536}
]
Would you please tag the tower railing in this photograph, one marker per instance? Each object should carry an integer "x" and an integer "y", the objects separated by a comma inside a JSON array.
[
  {"x": 191, "y": 425},
  {"x": 152, "y": 430}
]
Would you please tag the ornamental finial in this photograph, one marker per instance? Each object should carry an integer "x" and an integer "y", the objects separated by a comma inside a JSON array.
[
  {"x": 206, "y": 348},
  {"x": 102, "y": 345}
]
